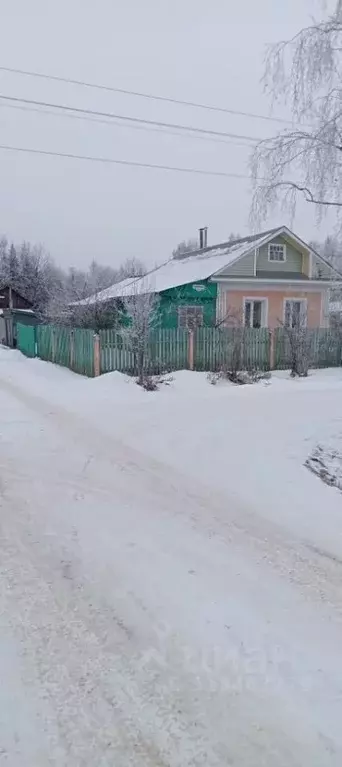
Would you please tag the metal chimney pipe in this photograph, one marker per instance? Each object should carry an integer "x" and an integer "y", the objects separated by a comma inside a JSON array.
[{"x": 203, "y": 237}]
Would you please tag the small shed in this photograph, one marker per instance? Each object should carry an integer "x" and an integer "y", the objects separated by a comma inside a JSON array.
[
  {"x": 14, "y": 308},
  {"x": 11, "y": 319},
  {"x": 12, "y": 299}
]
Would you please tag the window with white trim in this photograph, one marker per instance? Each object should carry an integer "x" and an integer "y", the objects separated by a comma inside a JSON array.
[
  {"x": 255, "y": 312},
  {"x": 277, "y": 252},
  {"x": 190, "y": 317},
  {"x": 295, "y": 313}
]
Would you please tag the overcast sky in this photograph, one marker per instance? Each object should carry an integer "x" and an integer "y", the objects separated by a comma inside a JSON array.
[{"x": 194, "y": 50}]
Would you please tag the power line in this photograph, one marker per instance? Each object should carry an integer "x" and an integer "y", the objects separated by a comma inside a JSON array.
[
  {"x": 112, "y": 161},
  {"x": 140, "y": 94},
  {"x": 114, "y": 124},
  {"x": 110, "y": 115}
]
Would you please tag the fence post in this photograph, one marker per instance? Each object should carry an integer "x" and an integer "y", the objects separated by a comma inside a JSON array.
[
  {"x": 72, "y": 350},
  {"x": 53, "y": 345},
  {"x": 191, "y": 350},
  {"x": 272, "y": 349},
  {"x": 97, "y": 355}
]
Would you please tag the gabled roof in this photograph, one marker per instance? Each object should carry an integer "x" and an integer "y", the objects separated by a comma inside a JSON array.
[
  {"x": 7, "y": 286},
  {"x": 196, "y": 266},
  {"x": 250, "y": 238}
]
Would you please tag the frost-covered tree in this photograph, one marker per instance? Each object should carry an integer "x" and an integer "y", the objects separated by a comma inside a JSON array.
[
  {"x": 184, "y": 247},
  {"x": 87, "y": 287},
  {"x": 141, "y": 316},
  {"x": 306, "y": 160},
  {"x": 3, "y": 249},
  {"x": 233, "y": 237},
  {"x": 9, "y": 264},
  {"x": 39, "y": 278},
  {"x": 131, "y": 267},
  {"x": 32, "y": 272},
  {"x": 331, "y": 249}
]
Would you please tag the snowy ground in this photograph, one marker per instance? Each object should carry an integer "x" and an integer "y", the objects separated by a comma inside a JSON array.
[{"x": 170, "y": 588}]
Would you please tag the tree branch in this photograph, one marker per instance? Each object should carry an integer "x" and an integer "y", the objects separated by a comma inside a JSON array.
[{"x": 309, "y": 197}]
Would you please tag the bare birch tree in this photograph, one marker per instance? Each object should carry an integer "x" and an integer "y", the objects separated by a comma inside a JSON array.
[
  {"x": 306, "y": 160},
  {"x": 142, "y": 316}
]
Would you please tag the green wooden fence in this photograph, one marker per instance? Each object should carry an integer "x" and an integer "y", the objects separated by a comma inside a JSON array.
[
  {"x": 323, "y": 347},
  {"x": 27, "y": 339},
  {"x": 83, "y": 352},
  {"x": 218, "y": 348},
  {"x": 71, "y": 348},
  {"x": 115, "y": 353},
  {"x": 168, "y": 349}
]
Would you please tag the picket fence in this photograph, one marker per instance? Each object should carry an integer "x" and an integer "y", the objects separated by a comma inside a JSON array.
[
  {"x": 72, "y": 348},
  {"x": 208, "y": 349},
  {"x": 215, "y": 348},
  {"x": 167, "y": 350},
  {"x": 323, "y": 347}
]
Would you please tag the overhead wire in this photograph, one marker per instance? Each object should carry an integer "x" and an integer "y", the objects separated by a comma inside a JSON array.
[
  {"x": 113, "y": 123},
  {"x": 116, "y": 161},
  {"x": 141, "y": 94},
  {"x": 128, "y": 118}
]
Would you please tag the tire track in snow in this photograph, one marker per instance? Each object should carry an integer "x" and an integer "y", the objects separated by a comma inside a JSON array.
[{"x": 215, "y": 514}]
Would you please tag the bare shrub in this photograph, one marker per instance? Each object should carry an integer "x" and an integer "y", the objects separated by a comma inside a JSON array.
[
  {"x": 299, "y": 340},
  {"x": 141, "y": 316}
]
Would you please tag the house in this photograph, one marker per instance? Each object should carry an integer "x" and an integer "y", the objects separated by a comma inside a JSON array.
[
  {"x": 14, "y": 308},
  {"x": 263, "y": 280},
  {"x": 11, "y": 299}
]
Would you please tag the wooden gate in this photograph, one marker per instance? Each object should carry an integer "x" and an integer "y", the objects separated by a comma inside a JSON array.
[{"x": 27, "y": 339}]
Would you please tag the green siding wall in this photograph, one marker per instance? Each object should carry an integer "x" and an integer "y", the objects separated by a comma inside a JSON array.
[
  {"x": 202, "y": 293},
  {"x": 242, "y": 268},
  {"x": 293, "y": 263}
]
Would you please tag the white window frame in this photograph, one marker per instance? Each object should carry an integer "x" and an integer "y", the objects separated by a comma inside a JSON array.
[
  {"x": 303, "y": 301},
  {"x": 264, "y": 309},
  {"x": 277, "y": 245},
  {"x": 185, "y": 307}
]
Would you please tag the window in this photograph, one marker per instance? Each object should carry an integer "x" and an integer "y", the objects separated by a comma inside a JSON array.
[
  {"x": 276, "y": 252},
  {"x": 190, "y": 317},
  {"x": 255, "y": 311},
  {"x": 295, "y": 313}
]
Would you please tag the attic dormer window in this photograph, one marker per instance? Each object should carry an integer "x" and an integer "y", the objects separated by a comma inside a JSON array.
[{"x": 276, "y": 252}]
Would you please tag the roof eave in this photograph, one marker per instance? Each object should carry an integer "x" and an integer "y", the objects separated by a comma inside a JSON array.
[{"x": 275, "y": 281}]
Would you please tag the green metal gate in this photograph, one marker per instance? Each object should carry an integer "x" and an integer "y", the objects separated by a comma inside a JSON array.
[{"x": 27, "y": 339}]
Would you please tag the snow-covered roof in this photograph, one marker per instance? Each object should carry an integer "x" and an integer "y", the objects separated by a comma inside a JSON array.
[
  {"x": 199, "y": 265},
  {"x": 191, "y": 267},
  {"x": 114, "y": 291}
]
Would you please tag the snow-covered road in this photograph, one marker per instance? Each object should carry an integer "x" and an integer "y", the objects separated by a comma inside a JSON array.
[{"x": 147, "y": 618}]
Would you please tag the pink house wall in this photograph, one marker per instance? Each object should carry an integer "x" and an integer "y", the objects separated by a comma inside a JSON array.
[{"x": 232, "y": 302}]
